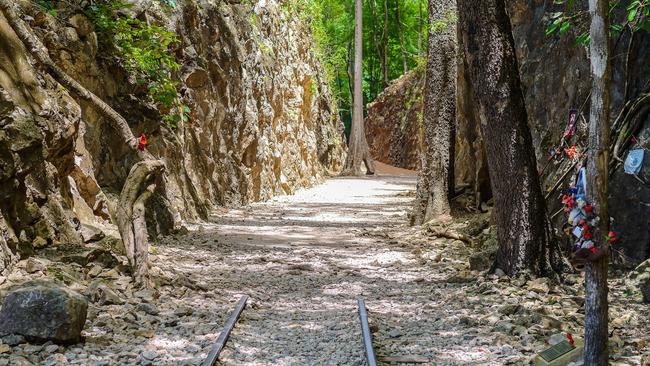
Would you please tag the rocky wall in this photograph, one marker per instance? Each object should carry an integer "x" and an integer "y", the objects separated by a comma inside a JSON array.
[
  {"x": 394, "y": 120},
  {"x": 261, "y": 120}
]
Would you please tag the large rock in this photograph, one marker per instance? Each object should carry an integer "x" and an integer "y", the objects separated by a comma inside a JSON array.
[
  {"x": 394, "y": 120},
  {"x": 43, "y": 311}
]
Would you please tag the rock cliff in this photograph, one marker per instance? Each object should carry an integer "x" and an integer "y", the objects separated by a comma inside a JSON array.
[
  {"x": 261, "y": 120},
  {"x": 394, "y": 121}
]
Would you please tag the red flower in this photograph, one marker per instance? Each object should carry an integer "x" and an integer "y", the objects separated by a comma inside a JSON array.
[
  {"x": 571, "y": 152},
  {"x": 587, "y": 235},
  {"x": 593, "y": 249},
  {"x": 568, "y": 201},
  {"x": 588, "y": 208},
  {"x": 142, "y": 142},
  {"x": 611, "y": 237}
]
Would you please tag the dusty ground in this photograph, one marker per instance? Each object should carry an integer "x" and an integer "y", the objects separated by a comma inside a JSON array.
[{"x": 304, "y": 260}]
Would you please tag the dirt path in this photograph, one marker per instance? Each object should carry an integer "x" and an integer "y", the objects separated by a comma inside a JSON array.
[{"x": 303, "y": 260}]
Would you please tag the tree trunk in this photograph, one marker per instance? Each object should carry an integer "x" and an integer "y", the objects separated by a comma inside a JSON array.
[
  {"x": 437, "y": 173},
  {"x": 420, "y": 23},
  {"x": 358, "y": 146},
  {"x": 130, "y": 215},
  {"x": 350, "y": 71},
  {"x": 519, "y": 208},
  {"x": 401, "y": 39},
  {"x": 40, "y": 53},
  {"x": 384, "y": 59},
  {"x": 374, "y": 90},
  {"x": 596, "y": 307}
]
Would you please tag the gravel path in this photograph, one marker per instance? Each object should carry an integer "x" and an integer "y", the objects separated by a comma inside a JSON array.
[{"x": 304, "y": 260}]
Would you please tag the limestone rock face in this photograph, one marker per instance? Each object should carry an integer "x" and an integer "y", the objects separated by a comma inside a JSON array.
[
  {"x": 394, "y": 122},
  {"x": 262, "y": 120},
  {"x": 43, "y": 311},
  {"x": 395, "y": 135}
]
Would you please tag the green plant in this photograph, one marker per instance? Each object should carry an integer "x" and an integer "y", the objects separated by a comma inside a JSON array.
[
  {"x": 48, "y": 6},
  {"x": 313, "y": 87},
  {"x": 440, "y": 25},
  {"x": 143, "y": 51},
  {"x": 637, "y": 17}
]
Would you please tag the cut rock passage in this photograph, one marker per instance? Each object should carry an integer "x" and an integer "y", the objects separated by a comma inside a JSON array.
[{"x": 304, "y": 260}]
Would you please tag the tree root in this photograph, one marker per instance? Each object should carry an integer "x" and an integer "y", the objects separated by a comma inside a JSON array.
[
  {"x": 444, "y": 232},
  {"x": 138, "y": 188}
]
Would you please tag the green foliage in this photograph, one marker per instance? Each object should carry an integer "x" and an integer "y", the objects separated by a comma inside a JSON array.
[
  {"x": 48, "y": 6},
  {"x": 331, "y": 22},
  {"x": 636, "y": 17},
  {"x": 143, "y": 51}
]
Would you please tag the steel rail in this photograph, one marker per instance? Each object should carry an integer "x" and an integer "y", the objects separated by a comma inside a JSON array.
[
  {"x": 365, "y": 332},
  {"x": 225, "y": 333}
]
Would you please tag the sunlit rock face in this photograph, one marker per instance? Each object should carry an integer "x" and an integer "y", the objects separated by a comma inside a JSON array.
[
  {"x": 262, "y": 121},
  {"x": 394, "y": 122},
  {"x": 395, "y": 133}
]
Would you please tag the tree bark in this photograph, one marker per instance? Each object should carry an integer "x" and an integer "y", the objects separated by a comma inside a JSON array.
[
  {"x": 130, "y": 215},
  {"x": 519, "y": 208},
  {"x": 358, "y": 146},
  {"x": 437, "y": 173},
  {"x": 596, "y": 307},
  {"x": 384, "y": 59},
  {"x": 401, "y": 38}
]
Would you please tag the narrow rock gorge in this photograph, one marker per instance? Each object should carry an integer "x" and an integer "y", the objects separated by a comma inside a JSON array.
[{"x": 261, "y": 121}]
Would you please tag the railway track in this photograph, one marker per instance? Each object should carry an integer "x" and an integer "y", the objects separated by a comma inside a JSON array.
[
  {"x": 213, "y": 356},
  {"x": 366, "y": 334}
]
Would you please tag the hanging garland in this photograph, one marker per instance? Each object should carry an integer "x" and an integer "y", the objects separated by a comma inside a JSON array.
[{"x": 581, "y": 216}]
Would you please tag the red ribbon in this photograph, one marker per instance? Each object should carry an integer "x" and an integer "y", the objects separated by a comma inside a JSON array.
[{"x": 142, "y": 142}]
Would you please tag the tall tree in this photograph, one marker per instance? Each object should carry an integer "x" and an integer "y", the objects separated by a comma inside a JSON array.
[
  {"x": 400, "y": 34},
  {"x": 420, "y": 23},
  {"x": 437, "y": 174},
  {"x": 519, "y": 208},
  {"x": 358, "y": 145},
  {"x": 596, "y": 307},
  {"x": 384, "y": 47}
]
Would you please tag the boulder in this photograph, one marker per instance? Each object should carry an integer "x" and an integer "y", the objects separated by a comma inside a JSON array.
[{"x": 43, "y": 311}]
